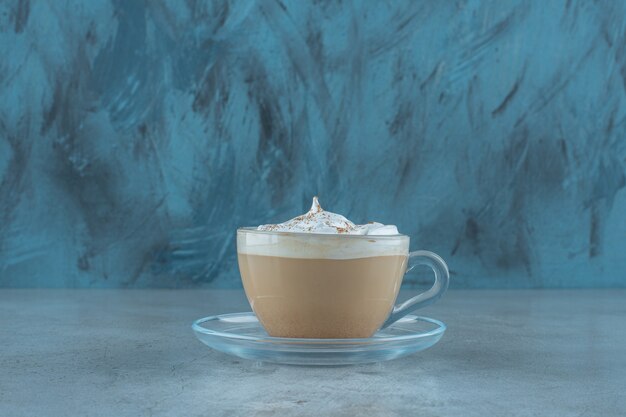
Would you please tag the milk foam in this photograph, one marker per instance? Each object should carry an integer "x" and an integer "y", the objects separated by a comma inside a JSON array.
[
  {"x": 319, "y": 246},
  {"x": 320, "y": 234},
  {"x": 317, "y": 220}
]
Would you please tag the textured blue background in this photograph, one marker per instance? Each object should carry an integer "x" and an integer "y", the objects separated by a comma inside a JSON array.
[{"x": 136, "y": 136}]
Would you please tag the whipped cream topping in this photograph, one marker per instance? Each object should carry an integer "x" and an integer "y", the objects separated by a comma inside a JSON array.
[{"x": 317, "y": 220}]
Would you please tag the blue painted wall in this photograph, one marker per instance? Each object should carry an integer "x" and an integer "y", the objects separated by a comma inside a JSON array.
[{"x": 136, "y": 136}]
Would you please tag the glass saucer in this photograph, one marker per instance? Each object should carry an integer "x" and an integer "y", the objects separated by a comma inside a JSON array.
[{"x": 242, "y": 335}]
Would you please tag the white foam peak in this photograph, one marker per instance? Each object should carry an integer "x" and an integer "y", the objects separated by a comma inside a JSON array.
[{"x": 318, "y": 220}]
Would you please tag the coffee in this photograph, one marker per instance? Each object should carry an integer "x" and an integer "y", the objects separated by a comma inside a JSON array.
[
  {"x": 321, "y": 276},
  {"x": 322, "y": 298}
]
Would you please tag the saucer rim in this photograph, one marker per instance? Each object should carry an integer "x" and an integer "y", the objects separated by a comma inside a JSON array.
[{"x": 438, "y": 331}]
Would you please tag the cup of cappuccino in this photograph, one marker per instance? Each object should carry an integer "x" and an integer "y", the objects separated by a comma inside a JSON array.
[{"x": 321, "y": 276}]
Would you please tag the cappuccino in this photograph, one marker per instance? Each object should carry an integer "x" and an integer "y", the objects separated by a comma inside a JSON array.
[{"x": 321, "y": 276}]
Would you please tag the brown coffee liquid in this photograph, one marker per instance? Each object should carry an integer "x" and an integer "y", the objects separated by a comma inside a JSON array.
[{"x": 321, "y": 298}]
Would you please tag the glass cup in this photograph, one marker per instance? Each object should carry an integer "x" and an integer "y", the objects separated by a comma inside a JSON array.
[{"x": 304, "y": 285}]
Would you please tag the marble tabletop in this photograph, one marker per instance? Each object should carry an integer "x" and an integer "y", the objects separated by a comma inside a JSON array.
[{"x": 132, "y": 353}]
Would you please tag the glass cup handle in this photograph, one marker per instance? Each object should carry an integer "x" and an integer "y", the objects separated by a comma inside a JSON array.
[{"x": 442, "y": 277}]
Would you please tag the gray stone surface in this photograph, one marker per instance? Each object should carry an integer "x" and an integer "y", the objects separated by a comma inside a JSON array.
[{"x": 132, "y": 353}]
